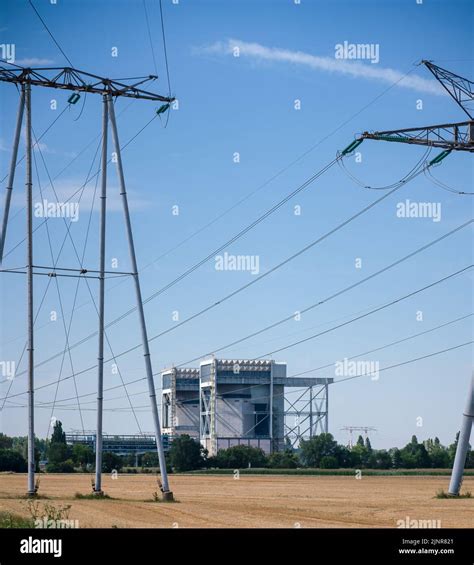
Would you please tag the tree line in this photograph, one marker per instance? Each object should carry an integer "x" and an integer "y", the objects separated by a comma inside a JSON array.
[{"x": 186, "y": 454}]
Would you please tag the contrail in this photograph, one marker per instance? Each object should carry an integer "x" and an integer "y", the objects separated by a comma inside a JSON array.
[{"x": 354, "y": 69}]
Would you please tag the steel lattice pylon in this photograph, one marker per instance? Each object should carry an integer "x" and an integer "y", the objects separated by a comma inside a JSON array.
[
  {"x": 67, "y": 78},
  {"x": 457, "y": 136}
]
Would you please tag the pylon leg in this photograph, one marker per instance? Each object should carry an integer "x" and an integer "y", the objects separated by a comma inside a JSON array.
[{"x": 167, "y": 494}]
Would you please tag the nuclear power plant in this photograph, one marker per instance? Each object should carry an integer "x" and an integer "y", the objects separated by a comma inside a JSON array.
[{"x": 227, "y": 402}]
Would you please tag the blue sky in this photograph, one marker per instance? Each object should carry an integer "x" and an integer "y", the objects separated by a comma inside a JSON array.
[{"x": 246, "y": 105}]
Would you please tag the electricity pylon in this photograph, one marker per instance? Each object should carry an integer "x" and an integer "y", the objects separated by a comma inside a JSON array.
[
  {"x": 67, "y": 78},
  {"x": 457, "y": 136},
  {"x": 450, "y": 137},
  {"x": 351, "y": 429}
]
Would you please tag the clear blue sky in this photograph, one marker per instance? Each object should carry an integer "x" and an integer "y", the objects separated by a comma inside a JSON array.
[{"x": 245, "y": 104}]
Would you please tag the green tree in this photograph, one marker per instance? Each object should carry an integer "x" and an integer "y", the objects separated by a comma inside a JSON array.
[
  {"x": 186, "y": 454},
  {"x": 150, "y": 459},
  {"x": 381, "y": 459},
  {"x": 439, "y": 455},
  {"x": 452, "y": 449},
  {"x": 111, "y": 462},
  {"x": 396, "y": 458},
  {"x": 470, "y": 460},
  {"x": 414, "y": 455},
  {"x": 20, "y": 444},
  {"x": 368, "y": 445},
  {"x": 360, "y": 455},
  {"x": 344, "y": 456},
  {"x": 82, "y": 455},
  {"x": 329, "y": 462},
  {"x": 282, "y": 460},
  {"x": 5, "y": 441},
  {"x": 58, "y": 435},
  {"x": 11, "y": 460},
  {"x": 317, "y": 447},
  {"x": 240, "y": 457},
  {"x": 59, "y": 452},
  {"x": 66, "y": 466}
]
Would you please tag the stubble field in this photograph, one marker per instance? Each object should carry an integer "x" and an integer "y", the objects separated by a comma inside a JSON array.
[{"x": 206, "y": 501}]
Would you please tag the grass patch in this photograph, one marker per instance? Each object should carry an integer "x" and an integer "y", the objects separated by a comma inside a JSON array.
[
  {"x": 92, "y": 496},
  {"x": 442, "y": 494},
  {"x": 14, "y": 521},
  {"x": 157, "y": 497}
]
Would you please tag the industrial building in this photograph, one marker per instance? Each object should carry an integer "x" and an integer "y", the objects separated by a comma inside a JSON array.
[
  {"x": 180, "y": 402},
  {"x": 118, "y": 444},
  {"x": 227, "y": 402}
]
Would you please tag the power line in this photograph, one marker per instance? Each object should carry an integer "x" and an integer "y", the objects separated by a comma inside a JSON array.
[
  {"x": 80, "y": 262},
  {"x": 296, "y": 390},
  {"x": 50, "y": 33},
  {"x": 431, "y": 285},
  {"x": 398, "y": 341},
  {"x": 75, "y": 156},
  {"x": 54, "y": 265},
  {"x": 164, "y": 48},
  {"x": 38, "y": 140},
  {"x": 67, "y": 330},
  {"x": 264, "y": 184},
  {"x": 409, "y": 295},
  {"x": 208, "y": 308},
  {"x": 320, "y": 302},
  {"x": 444, "y": 186},
  {"x": 407, "y": 362},
  {"x": 247, "y": 285},
  {"x": 410, "y": 176},
  {"x": 210, "y": 255},
  {"x": 85, "y": 184},
  {"x": 149, "y": 37}
]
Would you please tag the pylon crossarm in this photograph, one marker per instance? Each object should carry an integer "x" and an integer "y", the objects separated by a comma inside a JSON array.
[
  {"x": 455, "y": 136},
  {"x": 459, "y": 88},
  {"x": 67, "y": 78}
]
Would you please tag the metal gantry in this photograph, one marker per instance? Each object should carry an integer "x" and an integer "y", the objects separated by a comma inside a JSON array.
[
  {"x": 308, "y": 415},
  {"x": 66, "y": 78},
  {"x": 351, "y": 429}
]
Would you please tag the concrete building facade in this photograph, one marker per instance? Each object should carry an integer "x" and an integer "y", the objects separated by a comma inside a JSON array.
[{"x": 229, "y": 402}]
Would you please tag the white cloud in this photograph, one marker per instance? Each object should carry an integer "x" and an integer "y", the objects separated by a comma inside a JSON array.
[
  {"x": 354, "y": 69},
  {"x": 68, "y": 188},
  {"x": 40, "y": 146}
]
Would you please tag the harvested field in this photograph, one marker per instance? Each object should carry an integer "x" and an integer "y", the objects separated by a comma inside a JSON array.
[{"x": 207, "y": 501}]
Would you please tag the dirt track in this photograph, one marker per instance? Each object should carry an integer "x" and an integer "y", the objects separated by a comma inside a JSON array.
[{"x": 251, "y": 501}]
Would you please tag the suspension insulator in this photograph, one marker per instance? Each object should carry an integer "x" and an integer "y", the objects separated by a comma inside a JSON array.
[
  {"x": 162, "y": 109},
  {"x": 352, "y": 146},
  {"x": 73, "y": 98},
  {"x": 440, "y": 157}
]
